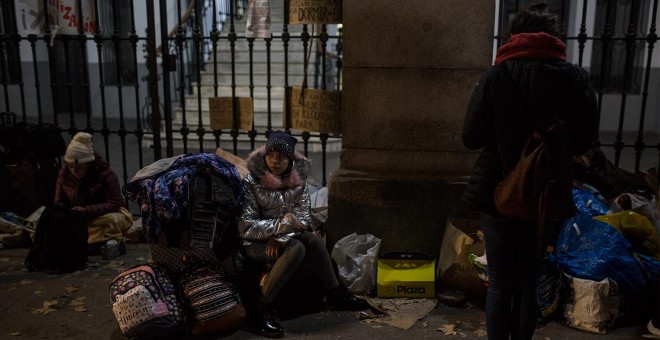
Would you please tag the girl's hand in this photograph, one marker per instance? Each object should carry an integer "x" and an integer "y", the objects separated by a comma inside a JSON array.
[
  {"x": 273, "y": 248},
  {"x": 296, "y": 225}
]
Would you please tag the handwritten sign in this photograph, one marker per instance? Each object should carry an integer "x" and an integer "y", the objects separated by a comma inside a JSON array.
[
  {"x": 134, "y": 308},
  {"x": 314, "y": 110},
  {"x": 63, "y": 16},
  {"x": 222, "y": 116},
  {"x": 315, "y": 12}
]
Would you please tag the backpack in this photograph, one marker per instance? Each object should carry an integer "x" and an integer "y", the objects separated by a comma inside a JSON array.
[
  {"x": 28, "y": 157},
  {"x": 60, "y": 242},
  {"x": 145, "y": 302},
  {"x": 539, "y": 186},
  {"x": 207, "y": 231},
  {"x": 212, "y": 302}
]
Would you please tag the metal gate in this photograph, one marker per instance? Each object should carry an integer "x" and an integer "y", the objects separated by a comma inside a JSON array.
[
  {"x": 138, "y": 74},
  {"x": 614, "y": 40}
]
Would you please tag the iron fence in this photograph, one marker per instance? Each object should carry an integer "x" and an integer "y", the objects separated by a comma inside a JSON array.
[{"x": 190, "y": 50}]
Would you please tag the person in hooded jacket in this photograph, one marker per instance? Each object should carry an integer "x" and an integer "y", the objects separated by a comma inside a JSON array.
[
  {"x": 88, "y": 185},
  {"x": 530, "y": 81},
  {"x": 275, "y": 227}
]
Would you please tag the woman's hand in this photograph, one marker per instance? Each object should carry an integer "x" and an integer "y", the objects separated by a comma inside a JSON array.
[{"x": 273, "y": 248}]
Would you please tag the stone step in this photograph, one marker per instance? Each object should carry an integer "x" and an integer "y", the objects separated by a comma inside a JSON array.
[
  {"x": 243, "y": 57},
  {"x": 243, "y": 142},
  {"x": 225, "y": 90},
  {"x": 293, "y": 79},
  {"x": 259, "y": 101},
  {"x": 260, "y": 118}
]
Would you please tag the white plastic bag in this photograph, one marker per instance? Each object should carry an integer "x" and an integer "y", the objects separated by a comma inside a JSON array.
[{"x": 356, "y": 260}]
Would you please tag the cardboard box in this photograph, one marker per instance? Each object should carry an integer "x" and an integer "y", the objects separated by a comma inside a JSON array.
[{"x": 406, "y": 275}]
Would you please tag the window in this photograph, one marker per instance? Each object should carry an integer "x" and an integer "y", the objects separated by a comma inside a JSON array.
[
  {"x": 10, "y": 61},
  {"x": 618, "y": 14},
  {"x": 511, "y": 7},
  {"x": 116, "y": 14},
  {"x": 69, "y": 63}
]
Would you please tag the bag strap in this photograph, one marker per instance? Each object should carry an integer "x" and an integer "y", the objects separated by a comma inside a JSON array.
[{"x": 535, "y": 136}]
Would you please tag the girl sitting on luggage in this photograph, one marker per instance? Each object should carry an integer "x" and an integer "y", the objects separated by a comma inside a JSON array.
[
  {"x": 88, "y": 185},
  {"x": 275, "y": 226}
]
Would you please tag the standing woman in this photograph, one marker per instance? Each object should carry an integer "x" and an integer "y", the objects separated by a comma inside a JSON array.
[
  {"x": 88, "y": 185},
  {"x": 530, "y": 81},
  {"x": 275, "y": 227}
]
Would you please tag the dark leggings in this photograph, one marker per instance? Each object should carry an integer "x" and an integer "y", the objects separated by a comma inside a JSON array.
[{"x": 305, "y": 245}]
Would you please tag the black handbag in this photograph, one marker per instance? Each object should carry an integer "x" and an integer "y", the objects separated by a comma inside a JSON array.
[{"x": 60, "y": 242}]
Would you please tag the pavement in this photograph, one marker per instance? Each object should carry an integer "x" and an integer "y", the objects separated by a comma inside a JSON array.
[{"x": 35, "y": 305}]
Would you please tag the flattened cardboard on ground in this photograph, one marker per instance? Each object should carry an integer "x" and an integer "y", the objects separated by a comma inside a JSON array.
[{"x": 401, "y": 313}]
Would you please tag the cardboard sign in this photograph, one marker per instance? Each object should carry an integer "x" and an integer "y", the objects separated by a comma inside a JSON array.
[
  {"x": 222, "y": 115},
  {"x": 407, "y": 275},
  {"x": 313, "y": 110},
  {"x": 314, "y": 12}
]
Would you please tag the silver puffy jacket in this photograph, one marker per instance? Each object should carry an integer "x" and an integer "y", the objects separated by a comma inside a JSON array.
[{"x": 268, "y": 198}]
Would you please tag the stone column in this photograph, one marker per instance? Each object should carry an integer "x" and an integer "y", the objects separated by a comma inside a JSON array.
[{"x": 409, "y": 69}]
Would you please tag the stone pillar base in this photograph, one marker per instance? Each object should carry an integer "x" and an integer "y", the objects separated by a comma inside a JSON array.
[{"x": 406, "y": 214}]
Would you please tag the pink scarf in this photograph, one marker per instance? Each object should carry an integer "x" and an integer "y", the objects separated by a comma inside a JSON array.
[{"x": 532, "y": 46}]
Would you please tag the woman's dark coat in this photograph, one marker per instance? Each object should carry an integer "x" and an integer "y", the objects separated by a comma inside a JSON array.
[{"x": 503, "y": 111}]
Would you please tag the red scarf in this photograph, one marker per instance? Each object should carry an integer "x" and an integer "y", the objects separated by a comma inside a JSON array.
[{"x": 532, "y": 46}]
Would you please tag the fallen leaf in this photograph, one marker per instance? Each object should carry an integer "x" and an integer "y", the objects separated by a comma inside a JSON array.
[
  {"x": 4, "y": 259},
  {"x": 80, "y": 308},
  {"x": 425, "y": 324},
  {"x": 141, "y": 258},
  {"x": 480, "y": 333},
  {"x": 43, "y": 310},
  {"x": 96, "y": 275},
  {"x": 50, "y": 303},
  {"x": 70, "y": 289},
  {"x": 448, "y": 329},
  {"x": 37, "y": 292},
  {"x": 26, "y": 282},
  {"x": 79, "y": 301},
  {"x": 15, "y": 333}
]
